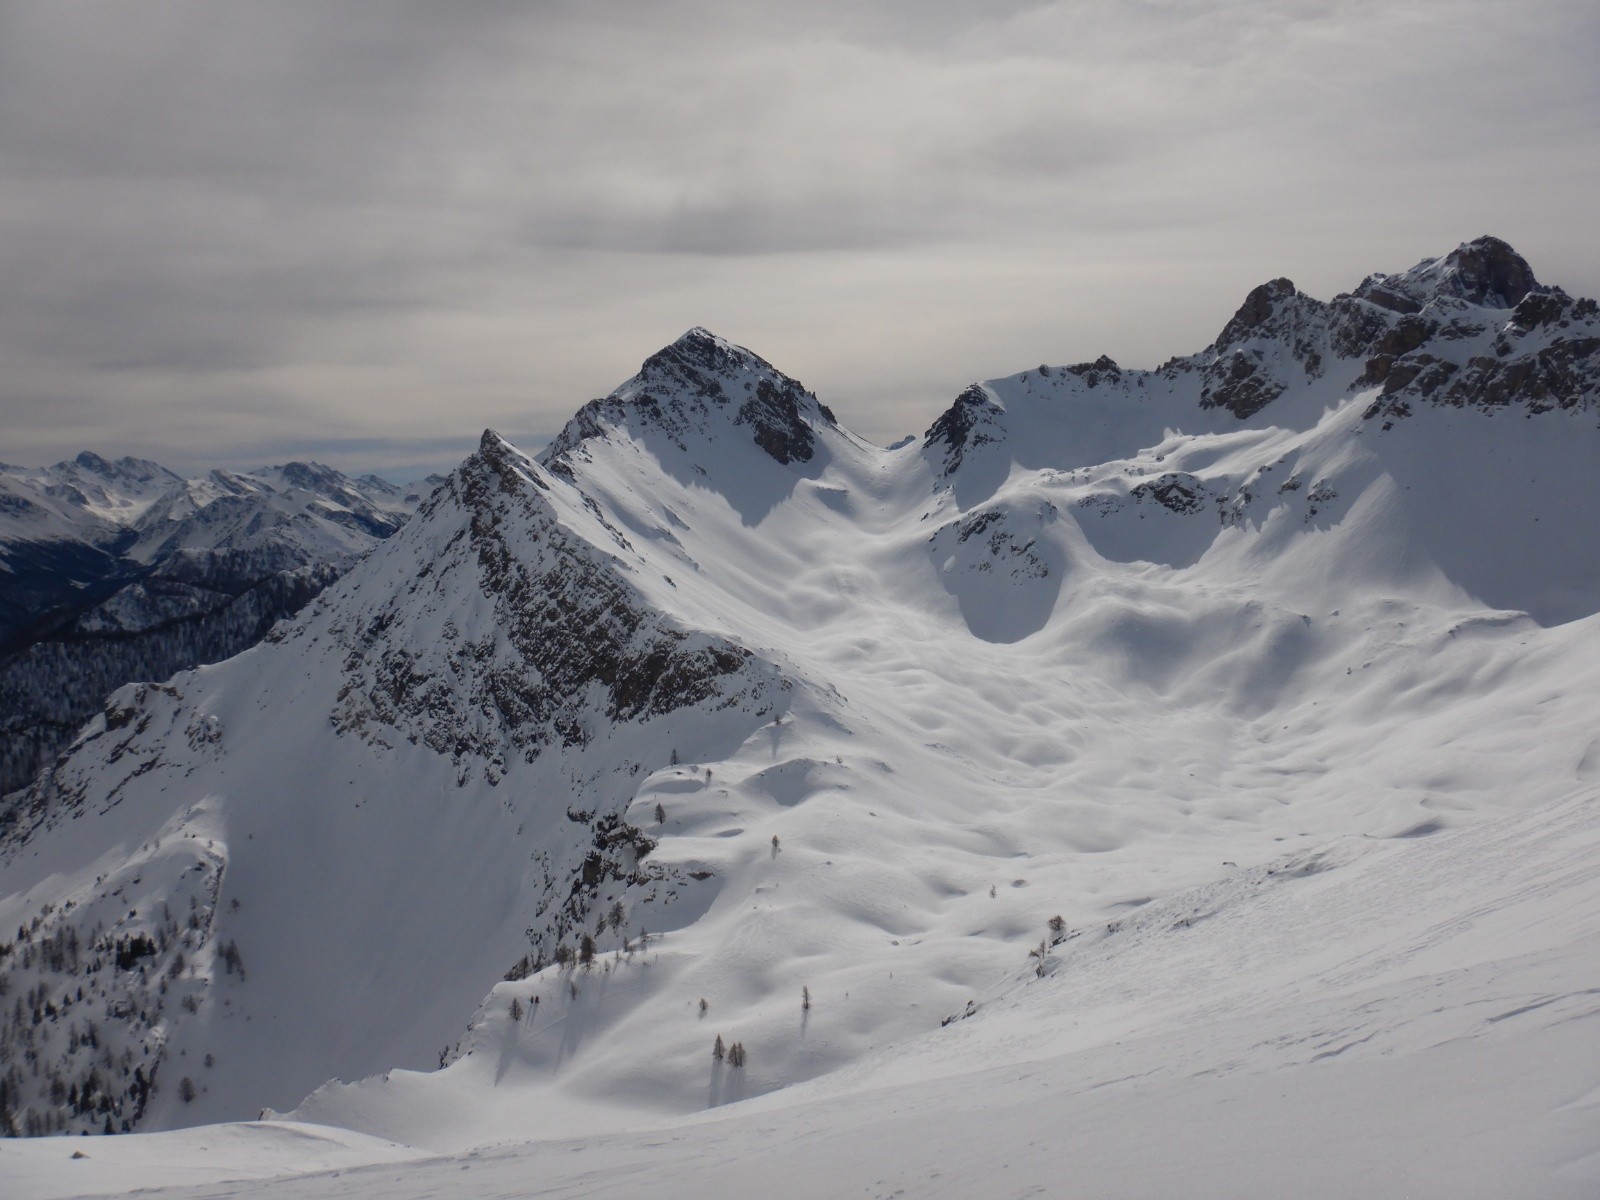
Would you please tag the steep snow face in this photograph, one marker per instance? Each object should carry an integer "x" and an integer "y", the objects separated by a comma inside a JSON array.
[{"x": 716, "y": 724}]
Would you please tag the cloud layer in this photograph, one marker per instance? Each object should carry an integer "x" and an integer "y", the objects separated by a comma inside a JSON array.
[{"x": 367, "y": 230}]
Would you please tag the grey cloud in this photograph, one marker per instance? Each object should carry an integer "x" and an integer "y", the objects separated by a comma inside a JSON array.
[{"x": 409, "y": 215}]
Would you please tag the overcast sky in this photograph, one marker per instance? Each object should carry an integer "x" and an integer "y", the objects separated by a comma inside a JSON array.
[{"x": 362, "y": 231}]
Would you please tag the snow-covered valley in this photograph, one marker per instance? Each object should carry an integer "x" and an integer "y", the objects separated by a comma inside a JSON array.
[{"x": 1147, "y": 783}]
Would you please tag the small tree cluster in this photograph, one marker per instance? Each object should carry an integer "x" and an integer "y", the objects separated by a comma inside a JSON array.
[
  {"x": 736, "y": 1055},
  {"x": 528, "y": 964},
  {"x": 1042, "y": 953}
]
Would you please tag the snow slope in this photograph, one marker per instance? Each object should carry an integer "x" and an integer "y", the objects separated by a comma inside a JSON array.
[
  {"x": 1238, "y": 661},
  {"x": 1410, "y": 1017}
]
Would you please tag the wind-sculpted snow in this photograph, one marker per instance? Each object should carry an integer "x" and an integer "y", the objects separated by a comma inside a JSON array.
[{"x": 1123, "y": 716}]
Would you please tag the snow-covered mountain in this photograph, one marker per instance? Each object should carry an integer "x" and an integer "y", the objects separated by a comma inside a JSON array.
[
  {"x": 119, "y": 571},
  {"x": 1118, "y": 720}
]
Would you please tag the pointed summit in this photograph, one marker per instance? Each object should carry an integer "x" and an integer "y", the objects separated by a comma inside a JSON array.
[
  {"x": 699, "y": 384},
  {"x": 701, "y": 362},
  {"x": 1255, "y": 315}
]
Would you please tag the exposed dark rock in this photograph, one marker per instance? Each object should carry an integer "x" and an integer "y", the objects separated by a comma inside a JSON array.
[
  {"x": 1255, "y": 315},
  {"x": 1102, "y": 369},
  {"x": 1239, "y": 384},
  {"x": 1355, "y": 323},
  {"x": 1377, "y": 290},
  {"x": 566, "y": 622},
  {"x": 680, "y": 389},
  {"x": 1242, "y": 376},
  {"x": 1177, "y": 492},
  {"x": 1539, "y": 309},
  {"x": 778, "y": 422},
  {"x": 969, "y": 422},
  {"x": 1565, "y": 374},
  {"x": 1485, "y": 272},
  {"x": 1424, "y": 374},
  {"x": 1401, "y": 338}
]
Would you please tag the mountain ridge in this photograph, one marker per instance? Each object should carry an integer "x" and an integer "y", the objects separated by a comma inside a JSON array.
[{"x": 714, "y": 701}]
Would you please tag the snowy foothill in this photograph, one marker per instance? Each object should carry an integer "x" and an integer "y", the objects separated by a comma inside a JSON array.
[{"x": 1174, "y": 782}]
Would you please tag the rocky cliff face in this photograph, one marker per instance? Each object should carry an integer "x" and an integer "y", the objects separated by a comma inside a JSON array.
[{"x": 565, "y": 646}]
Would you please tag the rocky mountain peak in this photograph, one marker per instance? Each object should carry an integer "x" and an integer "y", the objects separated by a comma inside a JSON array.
[
  {"x": 692, "y": 386},
  {"x": 123, "y": 470},
  {"x": 701, "y": 362},
  {"x": 972, "y": 420},
  {"x": 1485, "y": 272},
  {"x": 1255, "y": 315},
  {"x": 502, "y": 459},
  {"x": 314, "y": 477}
]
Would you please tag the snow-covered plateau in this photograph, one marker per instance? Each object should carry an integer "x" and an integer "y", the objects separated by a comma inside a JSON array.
[{"x": 1147, "y": 784}]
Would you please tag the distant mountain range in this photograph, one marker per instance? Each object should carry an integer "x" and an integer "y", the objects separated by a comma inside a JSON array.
[
  {"x": 120, "y": 571},
  {"x": 717, "y": 725}
]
